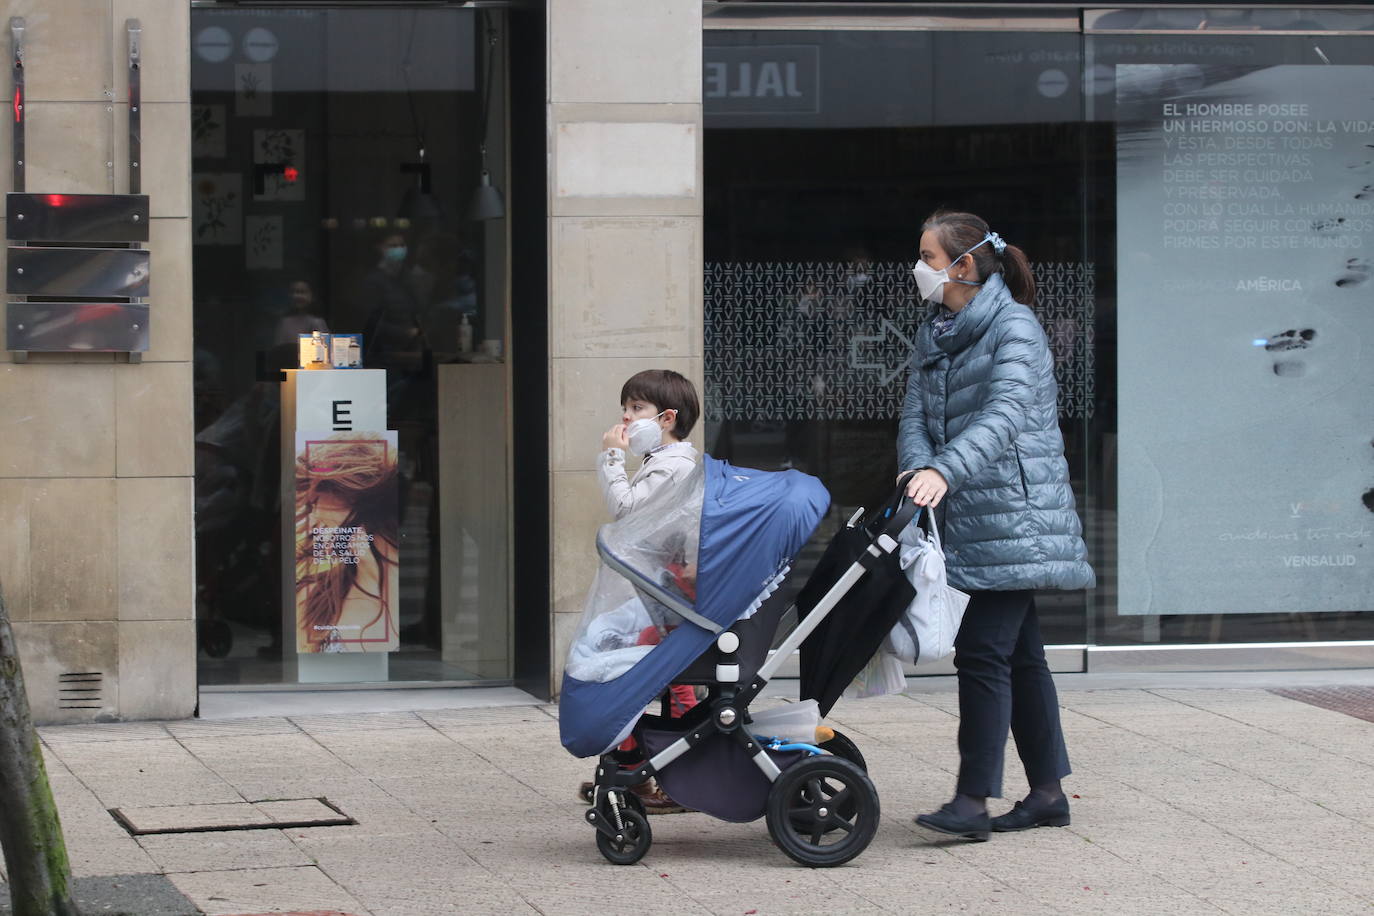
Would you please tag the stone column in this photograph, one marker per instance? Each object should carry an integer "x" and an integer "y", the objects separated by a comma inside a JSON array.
[
  {"x": 625, "y": 245},
  {"x": 96, "y": 459}
]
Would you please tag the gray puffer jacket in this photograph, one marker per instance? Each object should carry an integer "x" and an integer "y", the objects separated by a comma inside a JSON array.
[{"x": 981, "y": 409}]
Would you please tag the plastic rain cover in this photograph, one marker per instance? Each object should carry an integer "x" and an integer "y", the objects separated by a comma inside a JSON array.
[{"x": 657, "y": 544}]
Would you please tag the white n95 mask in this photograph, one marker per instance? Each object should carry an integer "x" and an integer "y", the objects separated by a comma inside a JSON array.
[
  {"x": 645, "y": 434},
  {"x": 930, "y": 283}
]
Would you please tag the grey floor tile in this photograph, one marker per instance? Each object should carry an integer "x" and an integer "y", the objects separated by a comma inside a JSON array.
[
  {"x": 264, "y": 890},
  {"x": 222, "y": 851}
]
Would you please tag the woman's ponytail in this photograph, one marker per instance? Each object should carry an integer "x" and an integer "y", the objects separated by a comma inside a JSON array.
[{"x": 1016, "y": 271}]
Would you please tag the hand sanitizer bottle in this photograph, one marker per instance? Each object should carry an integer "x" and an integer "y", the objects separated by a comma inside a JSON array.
[{"x": 464, "y": 335}]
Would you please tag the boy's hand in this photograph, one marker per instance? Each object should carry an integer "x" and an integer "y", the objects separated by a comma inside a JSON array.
[{"x": 615, "y": 438}]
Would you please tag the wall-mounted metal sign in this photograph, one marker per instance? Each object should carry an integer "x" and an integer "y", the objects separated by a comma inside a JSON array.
[
  {"x": 77, "y": 217},
  {"x": 119, "y": 327},
  {"x": 111, "y": 266},
  {"x": 78, "y": 272}
]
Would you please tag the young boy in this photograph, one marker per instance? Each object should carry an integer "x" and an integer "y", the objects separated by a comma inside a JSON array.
[{"x": 659, "y": 408}]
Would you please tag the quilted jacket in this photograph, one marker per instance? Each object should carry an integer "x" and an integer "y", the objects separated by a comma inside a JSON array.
[{"x": 981, "y": 409}]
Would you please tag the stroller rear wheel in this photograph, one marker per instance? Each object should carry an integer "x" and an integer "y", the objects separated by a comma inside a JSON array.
[
  {"x": 629, "y": 844},
  {"x": 823, "y": 811}
]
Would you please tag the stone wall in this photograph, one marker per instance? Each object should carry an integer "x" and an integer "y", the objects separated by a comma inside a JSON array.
[
  {"x": 96, "y": 556},
  {"x": 625, "y": 245}
]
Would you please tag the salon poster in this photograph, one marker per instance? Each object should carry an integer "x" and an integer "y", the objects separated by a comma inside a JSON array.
[
  {"x": 347, "y": 548},
  {"x": 1245, "y": 339}
]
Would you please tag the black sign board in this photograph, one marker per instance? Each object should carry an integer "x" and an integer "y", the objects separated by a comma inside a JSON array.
[{"x": 77, "y": 217}]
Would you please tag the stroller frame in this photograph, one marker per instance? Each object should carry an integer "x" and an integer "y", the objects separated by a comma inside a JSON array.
[{"x": 623, "y": 833}]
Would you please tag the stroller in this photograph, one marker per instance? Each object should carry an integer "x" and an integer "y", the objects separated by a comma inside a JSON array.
[{"x": 688, "y": 592}]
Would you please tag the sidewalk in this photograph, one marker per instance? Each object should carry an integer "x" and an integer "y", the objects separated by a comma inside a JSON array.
[{"x": 1186, "y": 799}]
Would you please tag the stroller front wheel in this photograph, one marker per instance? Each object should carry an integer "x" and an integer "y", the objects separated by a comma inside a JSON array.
[
  {"x": 629, "y": 845},
  {"x": 841, "y": 746},
  {"x": 823, "y": 811}
]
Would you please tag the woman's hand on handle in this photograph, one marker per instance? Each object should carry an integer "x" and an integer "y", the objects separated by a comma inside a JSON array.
[{"x": 927, "y": 488}]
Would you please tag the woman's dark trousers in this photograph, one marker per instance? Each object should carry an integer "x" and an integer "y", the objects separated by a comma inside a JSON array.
[{"x": 1005, "y": 683}]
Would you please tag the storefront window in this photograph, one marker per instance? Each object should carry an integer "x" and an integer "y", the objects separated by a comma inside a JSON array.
[
  {"x": 1194, "y": 189},
  {"x": 1232, "y": 226},
  {"x": 824, "y": 152},
  {"x": 337, "y": 159}
]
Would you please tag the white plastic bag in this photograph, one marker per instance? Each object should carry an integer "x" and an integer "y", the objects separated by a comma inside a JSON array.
[
  {"x": 926, "y": 630},
  {"x": 791, "y": 722},
  {"x": 882, "y": 675}
]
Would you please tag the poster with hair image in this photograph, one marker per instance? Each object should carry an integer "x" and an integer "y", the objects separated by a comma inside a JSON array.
[{"x": 347, "y": 546}]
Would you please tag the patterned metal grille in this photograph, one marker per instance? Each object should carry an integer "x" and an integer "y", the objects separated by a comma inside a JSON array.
[
  {"x": 832, "y": 340},
  {"x": 1353, "y": 701}
]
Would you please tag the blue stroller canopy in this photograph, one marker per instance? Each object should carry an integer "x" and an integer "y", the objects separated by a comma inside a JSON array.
[{"x": 699, "y": 555}]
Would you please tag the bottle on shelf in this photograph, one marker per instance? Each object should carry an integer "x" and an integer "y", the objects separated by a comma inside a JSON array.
[
  {"x": 464, "y": 335},
  {"x": 319, "y": 353}
]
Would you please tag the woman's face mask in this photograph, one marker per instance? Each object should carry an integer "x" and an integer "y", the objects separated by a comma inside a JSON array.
[
  {"x": 930, "y": 283},
  {"x": 645, "y": 434}
]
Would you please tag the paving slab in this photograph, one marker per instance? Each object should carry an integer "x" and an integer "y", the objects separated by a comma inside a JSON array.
[
  {"x": 123, "y": 895},
  {"x": 188, "y": 729},
  {"x": 96, "y": 844},
  {"x": 148, "y": 772},
  {"x": 265, "y": 890},
  {"x": 239, "y": 849}
]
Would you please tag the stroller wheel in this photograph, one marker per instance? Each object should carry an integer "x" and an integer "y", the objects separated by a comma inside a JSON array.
[
  {"x": 823, "y": 811},
  {"x": 841, "y": 746},
  {"x": 630, "y": 845}
]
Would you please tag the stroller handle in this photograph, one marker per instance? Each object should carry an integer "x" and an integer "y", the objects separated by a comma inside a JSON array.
[{"x": 898, "y": 510}]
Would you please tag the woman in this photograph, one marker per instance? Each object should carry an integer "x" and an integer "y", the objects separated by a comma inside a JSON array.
[{"x": 980, "y": 426}]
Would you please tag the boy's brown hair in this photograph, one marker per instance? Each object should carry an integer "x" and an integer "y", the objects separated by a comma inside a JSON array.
[{"x": 666, "y": 390}]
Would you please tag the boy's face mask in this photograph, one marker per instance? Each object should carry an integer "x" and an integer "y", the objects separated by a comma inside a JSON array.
[{"x": 645, "y": 434}]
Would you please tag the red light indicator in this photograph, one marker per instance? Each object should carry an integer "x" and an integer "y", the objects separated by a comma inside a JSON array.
[{"x": 290, "y": 173}]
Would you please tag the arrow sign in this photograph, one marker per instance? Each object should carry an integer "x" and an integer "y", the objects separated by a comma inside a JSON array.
[{"x": 880, "y": 342}]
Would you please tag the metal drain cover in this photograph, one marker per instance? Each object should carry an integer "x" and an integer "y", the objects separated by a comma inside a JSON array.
[
  {"x": 272, "y": 814},
  {"x": 1353, "y": 701}
]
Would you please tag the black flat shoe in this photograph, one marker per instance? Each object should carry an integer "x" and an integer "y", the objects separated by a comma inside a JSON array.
[
  {"x": 1021, "y": 817},
  {"x": 946, "y": 821}
]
